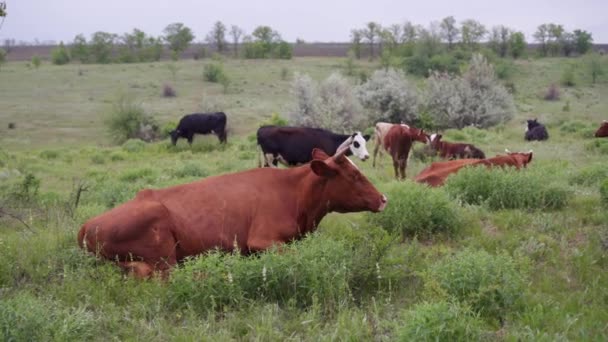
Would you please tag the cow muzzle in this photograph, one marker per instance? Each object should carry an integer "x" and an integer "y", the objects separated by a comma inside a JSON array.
[{"x": 383, "y": 202}]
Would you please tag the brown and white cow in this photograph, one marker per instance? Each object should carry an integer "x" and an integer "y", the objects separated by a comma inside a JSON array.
[
  {"x": 603, "y": 130},
  {"x": 380, "y": 132},
  {"x": 398, "y": 143},
  {"x": 437, "y": 173},
  {"x": 450, "y": 150},
  {"x": 249, "y": 211}
]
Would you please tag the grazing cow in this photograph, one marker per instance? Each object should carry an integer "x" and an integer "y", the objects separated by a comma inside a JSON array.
[
  {"x": 603, "y": 130},
  {"x": 455, "y": 150},
  {"x": 379, "y": 133},
  {"x": 294, "y": 145},
  {"x": 201, "y": 123},
  {"x": 398, "y": 142},
  {"x": 247, "y": 211},
  {"x": 536, "y": 131},
  {"x": 437, "y": 173}
]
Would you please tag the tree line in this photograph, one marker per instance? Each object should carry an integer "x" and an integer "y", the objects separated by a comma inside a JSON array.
[{"x": 137, "y": 46}]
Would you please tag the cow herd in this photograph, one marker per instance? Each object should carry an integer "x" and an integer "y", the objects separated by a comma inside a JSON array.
[{"x": 252, "y": 210}]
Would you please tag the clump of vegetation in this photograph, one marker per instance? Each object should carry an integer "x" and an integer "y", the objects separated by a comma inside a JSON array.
[
  {"x": 506, "y": 189},
  {"x": 134, "y": 145},
  {"x": 598, "y": 145},
  {"x": 389, "y": 96},
  {"x": 604, "y": 191},
  {"x": 189, "y": 170},
  {"x": 331, "y": 104},
  {"x": 552, "y": 93},
  {"x": 440, "y": 321},
  {"x": 589, "y": 175},
  {"x": 128, "y": 120},
  {"x": 213, "y": 72},
  {"x": 274, "y": 120},
  {"x": 476, "y": 98},
  {"x": 36, "y": 61},
  {"x": 168, "y": 91},
  {"x": 416, "y": 210},
  {"x": 491, "y": 284},
  {"x": 60, "y": 55},
  {"x": 567, "y": 79}
]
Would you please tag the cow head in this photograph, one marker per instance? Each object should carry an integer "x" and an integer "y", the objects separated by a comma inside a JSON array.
[
  {"x": 418, "y": 135},
  {"x": 532, "y": 123},
  {"x": 346, "y": 188},
  {"x": 434, "y": 140},
  {"x": 356, "y": 143},
  {"x": 603, "y": 130},
  {"x": 174, "y": 135},
  {"x": 520, "y": 158}
]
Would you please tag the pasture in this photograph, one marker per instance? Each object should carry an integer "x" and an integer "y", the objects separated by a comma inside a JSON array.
[{"x": 509, "y": 256}]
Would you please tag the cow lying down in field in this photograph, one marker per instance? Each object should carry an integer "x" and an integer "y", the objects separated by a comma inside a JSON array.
[
  {"x": 249, "y": 211},
  {"x": 602, "y": 132},
  {"x": 437, "y": 173}
]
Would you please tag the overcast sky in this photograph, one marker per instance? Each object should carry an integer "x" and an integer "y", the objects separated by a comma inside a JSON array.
[{"x": 311, "y": 20}]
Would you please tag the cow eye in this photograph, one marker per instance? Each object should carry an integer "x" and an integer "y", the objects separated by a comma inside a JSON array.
[{"x": 356, "y": 144}]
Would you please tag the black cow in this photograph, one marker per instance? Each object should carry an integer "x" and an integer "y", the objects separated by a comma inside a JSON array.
[
  {"x": 294, "y": 145},
  {"x": 201, "y": 123},
  {"x": 536, "y": 131}
]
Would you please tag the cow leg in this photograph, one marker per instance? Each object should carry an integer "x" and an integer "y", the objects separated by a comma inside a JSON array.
[
  {"x": 190, "y": 139},
  {"x": 402, "y": 166},
  {"x": 396, "y": 167},
  {"x": 376, "y": 149}
]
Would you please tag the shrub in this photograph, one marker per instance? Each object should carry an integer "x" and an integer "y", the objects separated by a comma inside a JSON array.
[
  {"x": 189, "y": 170},
  {"x": 440, "y": 321},
  {"x": 133, "y": 175},
  {"x": 49, "y": 154},
  {"x": 507, "y": 189},
  {"x": 589, "y": 175},
  {"x": 225, "y": 81},
  {"x": 552, "y": 93},
  {"x": 274, "y": 120},
  {"x": 477, "y": 98},
  {"x": 134, "y": 145},
  {"x": 490, "y": 284},
  {"x": 128, "y": 120},
  {"x": 213, "y": 72},
  {"x": 567, "y": 78},
  {"x": 416, "y": 209},
  {"x": 315, "y": 270},
  {"x": 60, "y": 55},
  {"x": 598, "y": 145},
  {"x": 27, "y": 189},
  {"x": 331, "y": 105},
  {"x": 36, "y": 61},
  {"x": 604, "y": 191},
  {"x": 168, "y": 91},
  {"x": 389, "y": 96}
]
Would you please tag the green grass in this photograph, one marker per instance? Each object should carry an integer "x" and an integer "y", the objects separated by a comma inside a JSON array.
[{"x": 357, "y": 278}]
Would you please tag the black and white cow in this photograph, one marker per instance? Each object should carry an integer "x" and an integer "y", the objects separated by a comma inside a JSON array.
[
  {"x": 201, "y": 123},
  {"x": 294, "y": 145},
  {"x": 536, "y": 131}
]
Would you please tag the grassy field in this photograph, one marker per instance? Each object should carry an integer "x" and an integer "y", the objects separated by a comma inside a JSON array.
[{"x": 509, "y": 264}]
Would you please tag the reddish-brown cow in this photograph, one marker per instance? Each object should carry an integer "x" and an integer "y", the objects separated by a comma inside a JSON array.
[
  {"x": 437, "y": 173},
  {"x": 249, "y": 211},
  {"x": 603, "y": 130},
  {"x": 455, "y": 150},
  {"x": 380, "y": 132},
  {"x": 398, "y": 142}
]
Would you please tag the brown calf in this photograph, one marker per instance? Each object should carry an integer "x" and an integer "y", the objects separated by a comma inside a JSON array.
[
  {"x": 398, "y": 142},
  {"x": 603, "y": 130},
  {"x": 455, "y": 150}
]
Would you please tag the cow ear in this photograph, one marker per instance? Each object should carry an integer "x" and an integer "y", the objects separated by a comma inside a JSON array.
[
  {"x": 366, "y": 137},
  {"x": 530, "y": 157},
  {"x": 322, "y": 169},
  {"x": 319, "y": 154}
]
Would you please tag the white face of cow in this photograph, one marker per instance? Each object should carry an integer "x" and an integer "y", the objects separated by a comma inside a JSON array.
[{"x": 357, "y": 146}]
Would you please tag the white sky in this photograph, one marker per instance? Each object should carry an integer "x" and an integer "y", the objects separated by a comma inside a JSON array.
[{"x": 311, "y": 20}]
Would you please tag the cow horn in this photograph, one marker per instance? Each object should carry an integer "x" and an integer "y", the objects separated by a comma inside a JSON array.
[
  {"x": 530, "y": 151},
  {"x": 507, "y": 150},
  {"x": 605, "y": 120},
  {"x": 345, "y": 144},
  {"x": 341, "y": 150}
]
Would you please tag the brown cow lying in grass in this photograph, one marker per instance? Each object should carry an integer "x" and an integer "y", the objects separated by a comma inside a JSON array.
[
  {"x": 398, "y": 143},
  {"x": 603, "y": 130},
  {"x": 249, "y": 211},
  {"x": 437, "y": 173},
  {"x": 450, "y": 150}
]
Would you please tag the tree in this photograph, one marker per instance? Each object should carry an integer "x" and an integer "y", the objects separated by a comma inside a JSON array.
[
  {"x": 542, "y": 36},
  {"x": 355, "y": 38},
  {"x": 567, "y": 43},
  {"x": 8, "y": 45},
  {"x": 499, "y": 40},
  {"x": 472, "y": 32},
  {"x": 449, "y": 31},
  {"x": 60, "y": 55},
  {"x": 79, "y": 49},
  {"x": 265, "y": 34},
  {"x": 370, "y": 33},
  {"x": 517, "y": 44},
  {"x": 2, "y": 12},
  {"x": 236, "y": 33},
  {"x": 582, "y": 41},
  {"x": 102, "y": 45},
  {"x": 2, "y": 56},
  {"x": 178, "y": 37},
  {"x": 595, "y": 66},
  {"x": 217, "y": 36},
  {"x": 556, "y": 33},
  {"x": 410, "y": 33}
]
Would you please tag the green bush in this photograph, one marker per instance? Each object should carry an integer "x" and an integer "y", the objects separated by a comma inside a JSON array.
[
  {"x": 506, "y": 189},
  {"x": 213, "y": 72},
  {"x": 416, "y": 209},
  {"x": 604, "y": 191},
  {"x": 589, "y": 175},
  {"x": 598, "y": 146},
  {"x": 190, "y": 170},
  {"x": 60, "y": 55},
  {"x": 567, "y": 78},
  {"x": 133, "y": 175},
  {"x": 133, "y": 145},
  {"x": 313, "y": 271},
  {"x": 128, "y": 120},
  {"x": 165, "y": 130},
  {"x": 49, "y": 154},
  {"x": 491, "y": 284},
  {"x": 274, "y": 120},
  {"x": 440, "y": 321},
  {"x": 36, "y": 61}
]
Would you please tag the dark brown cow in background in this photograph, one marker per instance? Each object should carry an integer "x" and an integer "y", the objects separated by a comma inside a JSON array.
[
  {"x": 398, "y": 143},
  {"x": 437, "y": 173},
  {"x": 450, "y": 150},
  {"x": 250, "y": 211},
  {"x": 603, "y": 130}
]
